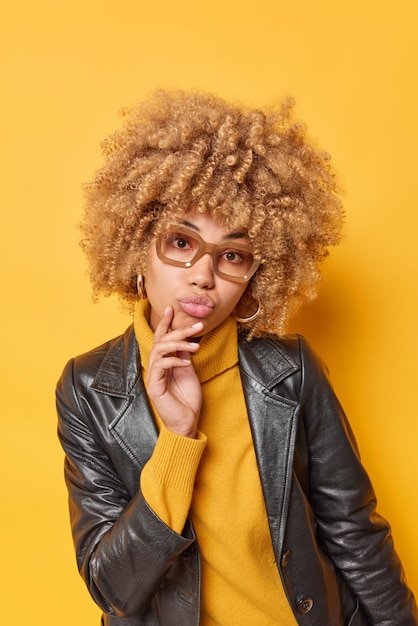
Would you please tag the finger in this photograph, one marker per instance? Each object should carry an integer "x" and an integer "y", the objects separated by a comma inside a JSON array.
[
  {"x": 165, "y": 363},
  {"x": 181, "y": 333},
  {"x": 163, "y": 326},
  {"x": 168, "y": 346},
  {"x": 184, "y": 356},
  {"x": 195, "y": 329},
  {"x": 159, "y": 368}
]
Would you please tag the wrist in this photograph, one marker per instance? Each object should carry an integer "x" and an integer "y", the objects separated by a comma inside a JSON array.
[{"x": 191, "y": 433}]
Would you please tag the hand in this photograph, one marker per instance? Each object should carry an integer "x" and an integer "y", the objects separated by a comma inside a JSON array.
[{"x": 172, "y": 383}]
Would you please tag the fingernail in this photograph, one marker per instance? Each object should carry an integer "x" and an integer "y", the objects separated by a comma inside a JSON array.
[
  {"x": 186, "y": 360},
  {"x": 197, "y": 325}
]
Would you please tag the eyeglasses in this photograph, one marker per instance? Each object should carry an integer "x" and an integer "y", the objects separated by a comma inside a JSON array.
[{"x": 183, "y": 248}]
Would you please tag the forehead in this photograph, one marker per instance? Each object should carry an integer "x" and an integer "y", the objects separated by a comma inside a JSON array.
[
  {"x": 213, "y": 234},
  {"x": 210, "y": 228}
]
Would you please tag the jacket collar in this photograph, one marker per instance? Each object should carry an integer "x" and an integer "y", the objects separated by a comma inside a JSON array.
[
  {"x": 263, "y": 360},
  {"x": 120, "y": 369},
  {"x": 273, "y": 415}
]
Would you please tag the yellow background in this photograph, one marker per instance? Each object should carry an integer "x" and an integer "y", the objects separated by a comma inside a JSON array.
[{"x": 67, "y": 68}]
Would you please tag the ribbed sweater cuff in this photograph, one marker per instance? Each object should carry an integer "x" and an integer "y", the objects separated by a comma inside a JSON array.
[{"x": 175, "y": 460}]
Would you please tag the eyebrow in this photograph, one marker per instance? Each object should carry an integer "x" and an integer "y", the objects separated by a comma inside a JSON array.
[{"x": 236, "y": 235}]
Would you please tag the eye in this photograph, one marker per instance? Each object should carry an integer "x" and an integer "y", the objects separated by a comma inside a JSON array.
[
  {"x": 232, "y": 256},
  {"x": 179, "y": 241}
]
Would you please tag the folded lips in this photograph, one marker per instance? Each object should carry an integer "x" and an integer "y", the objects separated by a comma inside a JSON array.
[
  {"x": 197, "y": 306},
  {"x": 198, "y": 300}
]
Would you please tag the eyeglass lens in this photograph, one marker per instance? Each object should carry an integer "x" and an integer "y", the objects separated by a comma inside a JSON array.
[{"x": 184, "y": 249}]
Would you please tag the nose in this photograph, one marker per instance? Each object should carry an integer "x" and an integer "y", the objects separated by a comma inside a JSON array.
[{"x": 202, "y": 273}]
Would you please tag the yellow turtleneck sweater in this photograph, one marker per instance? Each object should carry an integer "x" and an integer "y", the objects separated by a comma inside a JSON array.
[{"x": 215, "y": 479}]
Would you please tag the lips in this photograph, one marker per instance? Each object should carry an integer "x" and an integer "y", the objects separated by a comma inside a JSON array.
[{"x": 197, "y": 306}]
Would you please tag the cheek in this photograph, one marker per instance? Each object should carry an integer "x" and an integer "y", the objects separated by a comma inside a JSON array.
[
  {"x": 157, "y": 273},
  {"x": 232, "y": 296},
  {"x": 162, "y": 283}
]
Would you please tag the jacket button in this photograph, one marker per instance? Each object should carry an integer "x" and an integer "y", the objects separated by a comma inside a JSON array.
[
  {"x": 305, "y": 605},
  {"x": 285, "y": 558}
]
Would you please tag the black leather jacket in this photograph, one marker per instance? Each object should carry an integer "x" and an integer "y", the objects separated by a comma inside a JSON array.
[{"x": 334, "y": 552}]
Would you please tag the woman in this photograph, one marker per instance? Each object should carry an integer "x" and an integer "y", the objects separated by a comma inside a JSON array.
[{"x": 212, "y": 474}]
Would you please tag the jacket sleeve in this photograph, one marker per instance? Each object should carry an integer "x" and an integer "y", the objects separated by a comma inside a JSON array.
[
  {"x": 124, "y": 550},
  {"x": 356, "y": 537}
]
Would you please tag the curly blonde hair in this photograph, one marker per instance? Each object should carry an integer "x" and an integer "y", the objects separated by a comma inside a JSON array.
[{"x": 183, "y": 151}]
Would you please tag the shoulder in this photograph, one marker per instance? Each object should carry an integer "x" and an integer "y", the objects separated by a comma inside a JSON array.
[
  {"x": 114, "y": 358},
  {"x": 288, "y": 353},
  {"x": 287, "y": 366}
]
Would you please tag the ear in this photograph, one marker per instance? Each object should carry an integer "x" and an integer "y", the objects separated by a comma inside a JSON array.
[
  {"x": 247, "y": 309},
  {"x": 140, "y": 286}
]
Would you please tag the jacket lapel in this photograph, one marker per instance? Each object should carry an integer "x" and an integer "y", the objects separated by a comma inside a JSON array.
[
  {"x": 273, "y": 418},
  {"x": 264, "y": 365},
  {"x": 119, "y": 375},
  {"x": 134, "y": 427}
]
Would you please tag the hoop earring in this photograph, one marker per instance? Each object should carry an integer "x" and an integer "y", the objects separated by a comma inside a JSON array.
[
  {"x": 140, "y": 286},
  {"x": 245, "y": 320}
]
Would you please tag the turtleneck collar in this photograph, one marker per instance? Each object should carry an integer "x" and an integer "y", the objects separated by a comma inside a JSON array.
[{"x": 218, "y": 348}]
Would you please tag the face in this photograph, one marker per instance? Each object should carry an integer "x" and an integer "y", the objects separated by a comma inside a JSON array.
[{"x": 196, "y": 293}]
